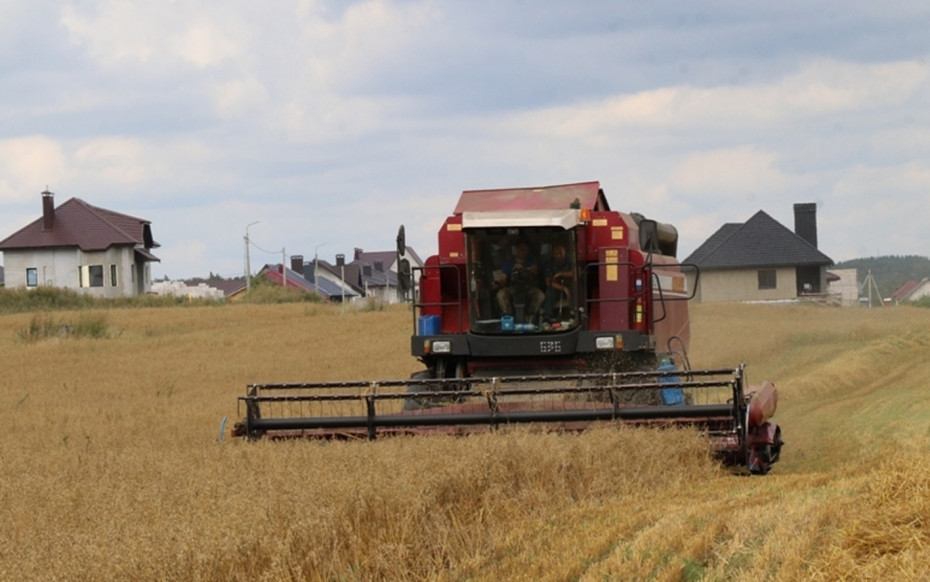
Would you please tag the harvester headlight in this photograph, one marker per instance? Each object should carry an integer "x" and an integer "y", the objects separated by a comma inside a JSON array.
[
  {"x": 442, "y": 347},
  {"x": 604, "y": 343}
]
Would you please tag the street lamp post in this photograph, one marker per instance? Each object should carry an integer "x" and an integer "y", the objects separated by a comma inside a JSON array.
[
  {"x": 248, "y": 266},
  {"x": 316, "y": 265}
]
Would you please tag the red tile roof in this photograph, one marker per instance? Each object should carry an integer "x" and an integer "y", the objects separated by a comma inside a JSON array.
[
  {"x": 87, "y": 227},
  {"x": 904, "y": 290}
]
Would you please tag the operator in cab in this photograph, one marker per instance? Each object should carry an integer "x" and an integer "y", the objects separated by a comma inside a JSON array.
[
  {"x": 560, "y": 279},
  {"x": 520, "y": 275}
]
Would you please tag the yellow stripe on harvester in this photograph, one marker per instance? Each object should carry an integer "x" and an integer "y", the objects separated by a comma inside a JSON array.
[{"x": 611, "y": 272}]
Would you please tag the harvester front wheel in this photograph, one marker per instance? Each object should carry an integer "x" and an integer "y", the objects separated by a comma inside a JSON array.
[{"x": 415, "y": 403}]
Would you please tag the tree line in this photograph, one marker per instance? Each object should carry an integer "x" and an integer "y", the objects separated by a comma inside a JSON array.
[{"x": 890, "y": 272}]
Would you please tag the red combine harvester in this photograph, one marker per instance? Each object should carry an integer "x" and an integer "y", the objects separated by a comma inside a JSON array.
[{"x": 542, "y": 306}]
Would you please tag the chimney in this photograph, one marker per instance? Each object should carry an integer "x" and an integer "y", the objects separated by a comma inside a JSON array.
[
  {"x": 48, "y": 210},
  {"x": 358, "y": 253},
  {"x": 805, "y": 222},
  {"x": 340, "y": 260},
  {"x": 297, "y": 264}
]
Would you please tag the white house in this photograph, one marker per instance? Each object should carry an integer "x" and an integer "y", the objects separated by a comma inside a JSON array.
[
  {"x": 82, "y": 247},
  {"x": 762, "y": 260}
]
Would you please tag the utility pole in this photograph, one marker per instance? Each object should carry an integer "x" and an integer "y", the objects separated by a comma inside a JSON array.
[
  {"x": 248, "y": 266},
  {"x": 870, "y": 285}
]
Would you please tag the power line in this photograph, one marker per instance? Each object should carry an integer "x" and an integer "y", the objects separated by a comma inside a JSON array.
[{"x": 278, "y": 252}]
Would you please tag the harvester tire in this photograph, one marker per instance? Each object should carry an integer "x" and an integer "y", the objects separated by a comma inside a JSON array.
[{"x": 417, "y": 403}]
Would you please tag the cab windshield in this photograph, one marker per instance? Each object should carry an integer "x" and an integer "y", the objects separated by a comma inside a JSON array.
[{"x": 522, "y": 280}]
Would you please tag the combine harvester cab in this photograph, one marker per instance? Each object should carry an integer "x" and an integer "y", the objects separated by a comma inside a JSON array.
[{"x": 542, "y": 306}]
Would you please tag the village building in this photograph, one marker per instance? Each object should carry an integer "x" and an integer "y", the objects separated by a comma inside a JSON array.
[
  {"x": 762, "y": 260},
  {"x": 79, "y": 246},
  {"x": 911, "y": 291}
]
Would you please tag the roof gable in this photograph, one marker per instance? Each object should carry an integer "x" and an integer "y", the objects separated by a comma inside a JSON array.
[
  {"x": 87, "y": 227},
  {"x": 761, "y": 241},
  {"x": 904, "y": 290},
  {"x": 293, "y": 279},
  {"x": 386, "y": 258},
  {"x": 345, "y": 274}
]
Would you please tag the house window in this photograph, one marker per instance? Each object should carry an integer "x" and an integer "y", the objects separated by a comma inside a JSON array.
[
  {"x": 113, "y": 280},
  {"x": 32, "y": 277},
  {"x": 92, "y": 276},
  {"x": 767, "y": 279}
]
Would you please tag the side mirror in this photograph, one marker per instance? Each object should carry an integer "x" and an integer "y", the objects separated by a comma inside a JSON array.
[
  {"x": 403, "y": 265},
  {"x": 401, "y": 242},
  {"x": 403, "y": 276}
]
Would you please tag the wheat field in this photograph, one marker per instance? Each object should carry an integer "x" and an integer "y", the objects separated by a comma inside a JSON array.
[{"x": 115, "y": 466}]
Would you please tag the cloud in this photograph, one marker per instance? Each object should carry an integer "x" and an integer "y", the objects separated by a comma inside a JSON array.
[
  {"x": 153, "y": 34},
  {"x": 337, "y": 121},
  {"x": 28, "y": 165},
  {"x": 818, "y": 89},
  {"x": 828, "y": 87},
  {"x": 728, "y": 173},
  {"x": 120, "y": 162},
  {"x": 240, "y": 96}
]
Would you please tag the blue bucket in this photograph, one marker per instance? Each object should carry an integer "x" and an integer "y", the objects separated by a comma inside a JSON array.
[
  {"x": 671, "y": 396},
  {"x": 428, "y": 324}
]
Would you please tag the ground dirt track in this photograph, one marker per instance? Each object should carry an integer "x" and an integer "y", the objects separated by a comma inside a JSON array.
[{"x": 113, "y": 468}]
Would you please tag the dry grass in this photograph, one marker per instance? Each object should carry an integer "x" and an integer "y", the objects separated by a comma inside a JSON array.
[{"x": 113, "y": 469}]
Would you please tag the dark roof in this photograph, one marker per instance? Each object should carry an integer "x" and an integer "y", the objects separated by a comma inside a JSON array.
[
  {"x": 87, "y": 227},
  {"x": 227, "y": 286},
  {"x": 327, "y": 288},
  {"x": 294, "y": 279},
  {"x": 368, "y": 273},
  {"x": 297, "y": 280},
  {"x": 324, "y": 286},
  {"x": 348, "y": 273},
  {"x": 386, "y": 258},
  {"x": 761, "y": 241},
  {"x": 371, "y": 277}
]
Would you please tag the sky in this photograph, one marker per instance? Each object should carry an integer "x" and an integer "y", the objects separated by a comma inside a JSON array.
[{"x": 319, "y": 127}]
